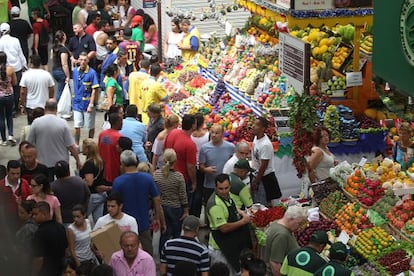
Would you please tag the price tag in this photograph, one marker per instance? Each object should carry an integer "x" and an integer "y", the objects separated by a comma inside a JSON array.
[
  {"x": 362, "y": 162},
  {"x": 353, "y": 79},
  {"x": 222, "y": 45},
  {"x": 343, "y": 237}
]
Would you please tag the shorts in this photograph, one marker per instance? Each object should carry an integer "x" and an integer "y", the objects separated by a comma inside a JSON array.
[
  {"x": 43, "y": 52},
  {"x": 271, "y": 186},
  {"x": 84, "y": 119}
]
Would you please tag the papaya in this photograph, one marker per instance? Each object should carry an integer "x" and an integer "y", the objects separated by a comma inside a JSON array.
[{"x": 371, "y": 113}]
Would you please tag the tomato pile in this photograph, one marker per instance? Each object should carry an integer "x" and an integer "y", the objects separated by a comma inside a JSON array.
[{"x": 263, "y": 217}]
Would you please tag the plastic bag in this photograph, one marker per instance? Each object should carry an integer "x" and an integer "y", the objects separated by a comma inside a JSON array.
[
  {"x": 64, "y": 107},
  {"x": 103, "y": 102}
]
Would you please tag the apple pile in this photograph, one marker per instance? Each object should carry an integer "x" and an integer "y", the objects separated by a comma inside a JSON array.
[
  {"x": 370, "y": 192},
  {"x": 401, "y": 213}
]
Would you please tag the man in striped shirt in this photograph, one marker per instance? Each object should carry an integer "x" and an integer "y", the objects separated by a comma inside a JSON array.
[{"x": 185, "y": 249}]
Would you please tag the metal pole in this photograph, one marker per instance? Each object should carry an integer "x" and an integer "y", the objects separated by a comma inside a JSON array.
[{"x": 159, "y": 15}]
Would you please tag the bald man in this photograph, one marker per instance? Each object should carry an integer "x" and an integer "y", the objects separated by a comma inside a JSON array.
[
  {"x": 213, "y": 156},
  {"x": 242, "y": 152},
  {"x": 53, "y": 138}
]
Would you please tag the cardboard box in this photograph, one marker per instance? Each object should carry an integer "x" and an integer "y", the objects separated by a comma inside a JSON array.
[{"x": 106, "y": 240}]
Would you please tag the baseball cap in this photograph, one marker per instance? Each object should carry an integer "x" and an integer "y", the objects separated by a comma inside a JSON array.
[
  {"x": 4, "y": 28},
  {"x": 243, "y": 164},
  {"x": 136, "y": 20},
  {"x": 320, "y": 237},
  {"x": 15, "y": 10},
  {"x": 191, "y": 223},
  {"x": 338, "y": 251},
  {"x": 127, "y": 32}
]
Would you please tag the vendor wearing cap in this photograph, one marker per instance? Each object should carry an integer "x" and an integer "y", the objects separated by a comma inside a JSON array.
[
  {"x": 306, "y": 260},
  {"x": 229, "y": 226},
  {"x": 239, "y": 191},
  {"x": 338, "y": 253},
  {"x": 137, "y": 32}
]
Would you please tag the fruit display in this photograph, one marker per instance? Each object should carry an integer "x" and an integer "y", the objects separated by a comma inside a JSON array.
[
  {"x": 262, "y": 218},
  {"x": 395, "y": 262},
  {"x": 335, "y": 84},
  {"x": 401, "y": 213},
  {"x": 352, "y": 218},
  {"x": 384, "y": 204},
  {"x": 322, "y": 189},
  {"x": 190, "y": 105},
  {"x": 348, "y": 125},
  {"x": 303, "y": 235},
  {"x": 176, "y": 97},
  {"x": 368, "y": 123},
  {"x": 331, "y": 204},
  {"x": 366, "y": 269},
  {"x": 354, "y": 182},
  {"x": 331, "y": 122},
  {"x": 371, "y": 241},
  {"x": 409, "y": 229},
  {"x": 302, "y": 118},
  {"x": 366, "y": 44},
  {"x": 219, "y": 90},
  {"x": 370, "y": 192},
  {"x": 340, "y": 56},
  {"x": 347, "y": 32}
]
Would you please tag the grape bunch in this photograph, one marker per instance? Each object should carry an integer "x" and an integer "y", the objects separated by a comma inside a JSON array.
[{"x": 219, "y": 90}]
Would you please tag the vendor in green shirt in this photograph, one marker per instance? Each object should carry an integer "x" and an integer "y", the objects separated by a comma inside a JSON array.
[
  {"x": 137, "y": 33},
  {"x": 306, "y": 260},
  {"x": 230, "y": 232},
  {"x": 239, "y": 191},
  {"x": 338, "y": 254}
]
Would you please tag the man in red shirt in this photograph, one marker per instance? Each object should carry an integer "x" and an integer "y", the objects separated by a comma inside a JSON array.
[
  {"x": 95, "y": 18},
  {"x": 107, "y": 143},
  {"x": 13, "y": 189},
  {"x": 186, "y": 150}
]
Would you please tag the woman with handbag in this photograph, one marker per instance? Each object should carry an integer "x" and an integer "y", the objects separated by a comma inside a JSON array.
[
  {"x": 92, "y": 172},
  {"x": 113, "y": 91},
  {"x": 61, "y": 62}
]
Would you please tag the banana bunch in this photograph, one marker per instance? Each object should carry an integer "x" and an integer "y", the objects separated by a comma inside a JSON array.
[{"x": 366, "y": 44}]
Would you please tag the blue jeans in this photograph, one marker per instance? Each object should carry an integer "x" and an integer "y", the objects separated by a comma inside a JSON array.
[
  {"x": 60, "y": 77},
  {"x": 172, "y": 219},
  {"x": 96, "y": 205},
  {"x": 6, "y": 115}
]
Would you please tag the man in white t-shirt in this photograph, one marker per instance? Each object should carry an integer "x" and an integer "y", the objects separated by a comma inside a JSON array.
[
  {"x": 36, "y": 87},
  {"x": 242, "y": 152},
  {"x": 124, "y": 221},
  {"x": 262, "y": 157}
]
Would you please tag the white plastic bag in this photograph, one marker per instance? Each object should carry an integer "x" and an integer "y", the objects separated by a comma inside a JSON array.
[{"x": 64, "y": 107}]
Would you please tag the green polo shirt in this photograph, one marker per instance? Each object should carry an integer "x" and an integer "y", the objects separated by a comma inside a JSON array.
[
  {"x": 302, "y": 262},
  {"x": 217, "y": 215},
  {"x": 279, "y": 242},
  {"x": 239, "y": 192}
]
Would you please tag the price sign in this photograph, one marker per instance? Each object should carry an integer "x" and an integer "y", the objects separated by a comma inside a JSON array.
[
  {"x": 294, "y": 61},
  {"x": 353, "y": 79},
  {"x": 149, "y": 4}
]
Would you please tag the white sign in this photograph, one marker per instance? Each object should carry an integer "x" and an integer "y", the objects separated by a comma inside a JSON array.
[
  {"x": 343, "y": 237},
  {"x": 293, "y": 61},
  {"x": 353, "y": 79},
  {"x": 313, "y": 4},
  {"x": 283, "y": 3}
]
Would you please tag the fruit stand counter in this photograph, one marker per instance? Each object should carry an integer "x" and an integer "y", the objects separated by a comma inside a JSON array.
[{"x": 316, "y": 17}]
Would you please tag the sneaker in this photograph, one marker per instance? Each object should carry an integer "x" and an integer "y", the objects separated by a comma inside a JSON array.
[
  {"x": 12, "y": 141},
  {"x": 4, "y": 143}
]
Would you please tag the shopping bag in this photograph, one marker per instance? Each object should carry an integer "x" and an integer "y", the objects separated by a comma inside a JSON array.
[
  {"x": 64, "y": 107},
  {"x": 103, "y": 102}
]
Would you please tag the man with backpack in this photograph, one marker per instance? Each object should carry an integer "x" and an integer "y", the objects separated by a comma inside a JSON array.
[{"x": 40, "y": 37}]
